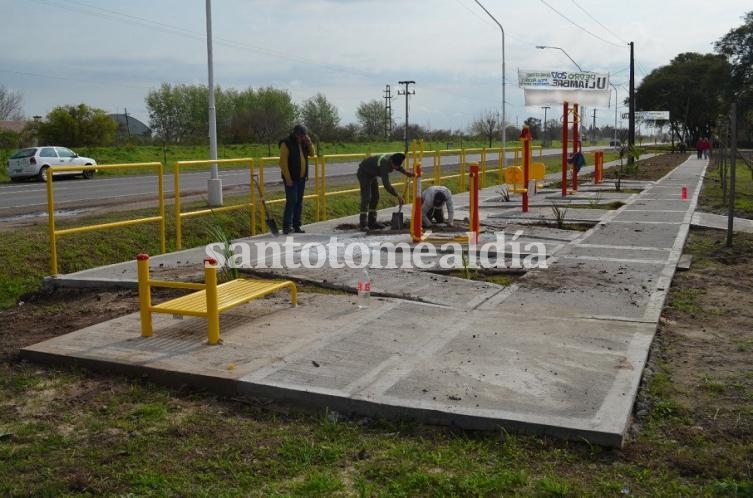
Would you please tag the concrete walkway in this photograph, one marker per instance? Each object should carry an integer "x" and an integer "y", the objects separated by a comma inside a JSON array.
[{"x": 559, "y": 352}]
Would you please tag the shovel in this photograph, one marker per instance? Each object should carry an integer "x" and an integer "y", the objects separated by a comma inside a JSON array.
[{"x": 267, "y": 217}]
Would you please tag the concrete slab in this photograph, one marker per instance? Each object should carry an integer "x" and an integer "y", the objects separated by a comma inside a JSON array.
[
  {"x": 478, "y": 370},
  {"x": 559, "y": 352},
  {"x": 709, "y": 220}
]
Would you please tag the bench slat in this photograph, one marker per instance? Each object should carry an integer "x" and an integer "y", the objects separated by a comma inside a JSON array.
[{"x": 229, "y": 295}]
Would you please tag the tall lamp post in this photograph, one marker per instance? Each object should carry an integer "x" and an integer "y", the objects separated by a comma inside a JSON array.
[
  {"x": 615, "y": 113},
  {"x": 541, "y": 47},
  {"x": 546, "y": 107},
  {"x": 214, "y": 185},
  {"x": 504, "y": 115}
]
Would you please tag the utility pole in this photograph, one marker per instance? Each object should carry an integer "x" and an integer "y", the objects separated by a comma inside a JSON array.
[
  {"x": 593, "y": 129},
  {"x": 406, "y": 92},
  {"x": 128, "y": 128},
  {"x": 387, "y": 114},
  {"x": 631, "y": 108},
  {"x": 544, "y": 141},
  {"x": 615, "y": 114}
]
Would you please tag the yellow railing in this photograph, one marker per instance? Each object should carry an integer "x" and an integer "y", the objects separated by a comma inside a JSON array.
[
  {"x": 318, "y": 164},
  {"x": 251, "y": 205},
  {"x": 54, "y": 233}
]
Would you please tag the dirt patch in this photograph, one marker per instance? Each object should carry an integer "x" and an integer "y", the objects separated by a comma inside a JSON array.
[
  {"x": 648, "y": 169},
  {"x": 705, "y": 343}
]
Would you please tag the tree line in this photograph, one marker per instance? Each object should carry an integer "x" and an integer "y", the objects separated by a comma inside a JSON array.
[{"x": 697, "y": 89}]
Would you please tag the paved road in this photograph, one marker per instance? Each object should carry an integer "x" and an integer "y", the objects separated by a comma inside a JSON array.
[{"x": 72, "y": 193}]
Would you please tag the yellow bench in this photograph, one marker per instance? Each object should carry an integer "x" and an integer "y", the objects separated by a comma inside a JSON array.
[{"x": 209, "y": 299}]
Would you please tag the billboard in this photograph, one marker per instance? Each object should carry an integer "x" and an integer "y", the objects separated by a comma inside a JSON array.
[
  {"x": 648, "y": 115},
  {"x": 555, "y": 87}
]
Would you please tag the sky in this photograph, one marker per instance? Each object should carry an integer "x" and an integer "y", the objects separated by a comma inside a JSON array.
[{"x": 110, "y": 54}]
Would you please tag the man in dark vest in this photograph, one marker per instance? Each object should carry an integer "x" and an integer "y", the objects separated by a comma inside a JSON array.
[
  {"x": 369, "y": 170},
  {"x": 295, "y": 151}
]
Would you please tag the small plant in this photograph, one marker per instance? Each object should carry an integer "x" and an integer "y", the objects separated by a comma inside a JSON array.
[
  {"x": 559, "y": 214},
  {"x": 215, "y": 231},
  {"x": 594, "y": 203},
  {"x": 504, "y": 192},
  {"x": 468, "y": 272}
]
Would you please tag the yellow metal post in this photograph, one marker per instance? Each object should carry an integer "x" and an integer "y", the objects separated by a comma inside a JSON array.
[
  {"x": 483, "y": 167},
  {"x": 437, "y": 167},
  {"x": 462, "y": 170},
  {"x": 161, "y": 190},
  {"x": 213, "y": 312},
  {"x": 178, "y": 227},
  {"x": 252, "y": 197},
  {"x": 145, "y": 294},
  {"x": 324, "y": 189}
]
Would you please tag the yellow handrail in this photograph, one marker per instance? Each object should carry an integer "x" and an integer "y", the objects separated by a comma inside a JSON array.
[
  {"x": 251, "y": 205},
  {"x": 54, "y": 233}
]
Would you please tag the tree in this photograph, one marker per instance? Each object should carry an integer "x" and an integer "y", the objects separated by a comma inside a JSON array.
[
  {"x": 77, "y": 126},
  {"x": 737, "y": 47},
  {"x": 693, "y": 88},
  {"x": 372, "y": 117},
  {"x": 167, "y": 116},
  {"x": 11, "y": 104},
  {"x": 321, "y": 117},
  {"x": 272, "y": 116},
  {"x": 534, "y": 125},
  {"x": 486, "y": 126}
]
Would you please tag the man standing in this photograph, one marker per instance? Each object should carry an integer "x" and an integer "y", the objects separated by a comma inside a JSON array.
[
  {"x": 432, "y": 201},
  {"x": 295, "y": 151},
  {"x": 369, "y": 170}
]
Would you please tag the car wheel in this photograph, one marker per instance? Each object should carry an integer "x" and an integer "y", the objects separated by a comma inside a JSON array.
[
  {"x": 42, "y": 175},
  {"x": 88, "y": 174}
]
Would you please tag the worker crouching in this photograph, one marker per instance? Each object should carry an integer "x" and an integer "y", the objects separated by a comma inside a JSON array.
[{"x": 433, "y": 201}]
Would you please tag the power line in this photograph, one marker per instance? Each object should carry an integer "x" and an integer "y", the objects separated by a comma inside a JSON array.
[
  {"x": 597, "y": 22},
  {"x": 563, "y": 16},
  {"x": 176, "y": 30}
]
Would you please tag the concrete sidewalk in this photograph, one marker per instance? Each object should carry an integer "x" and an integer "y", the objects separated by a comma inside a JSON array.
[{"x": 559, "y": 352}]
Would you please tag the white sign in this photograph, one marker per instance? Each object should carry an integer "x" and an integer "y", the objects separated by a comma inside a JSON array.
[
  {"x": 654, "y": 115},
  {"x": 648, "y": 115},
  {"x": 556, "y": 87}
]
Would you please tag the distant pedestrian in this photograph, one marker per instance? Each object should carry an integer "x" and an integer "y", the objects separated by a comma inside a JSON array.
[
  {"x": 699, "y": 148},
  {"x": 706, "y": 147},
  {"x": 433, "y": 200},
  {"x": 369, "y": 170},
  {"x": 295, "y": 151}
]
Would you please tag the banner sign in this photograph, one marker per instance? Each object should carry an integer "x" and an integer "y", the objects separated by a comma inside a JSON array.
[
  {"x": 653, "y": 115},
  {"x": 648, "y": 115},
  {"x": 556, "y": 87}
]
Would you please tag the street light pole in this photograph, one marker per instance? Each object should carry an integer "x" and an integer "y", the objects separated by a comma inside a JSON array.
[
  {"x": 504, "y": 115},
  {"x": 541, "y": 47},
  {"x": 615, "y": 113},
  {"x": 214, "y": 185},
  {"x": 545, "y": 109},
  {"x": 406, "y": 92}
]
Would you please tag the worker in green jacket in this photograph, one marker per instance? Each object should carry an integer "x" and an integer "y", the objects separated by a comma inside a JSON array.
[{"x": 369, "y": 170}]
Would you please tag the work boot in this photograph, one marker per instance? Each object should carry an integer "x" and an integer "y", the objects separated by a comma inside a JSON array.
[
  {"x": 373, "y": 225},
  {"x": 286, "y": 230}
]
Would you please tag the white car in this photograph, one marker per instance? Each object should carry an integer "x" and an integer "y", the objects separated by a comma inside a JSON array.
[{"x": 35, "y": 162}]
